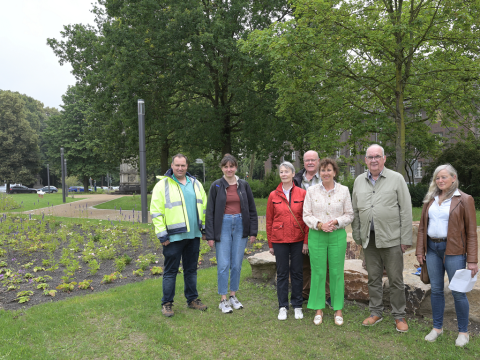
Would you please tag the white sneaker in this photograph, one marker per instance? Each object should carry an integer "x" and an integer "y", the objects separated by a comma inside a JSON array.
[
  {"x": 298, "y": 313},
  {"x": 282, "y": 313},
  {"x": 433, "y": 335},
  {"x": 225, "y": 307},
  {"x": 462, "y": 340},
  {"x": 235, "y": 303}
]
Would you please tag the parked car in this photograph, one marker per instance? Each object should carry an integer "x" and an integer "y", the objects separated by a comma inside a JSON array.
[
  {"x": 53, "y": 189},
  {"x": 76, "y": 189},
  {"x": 3, "y": 189},
  {"x": 21, "y": 189}
]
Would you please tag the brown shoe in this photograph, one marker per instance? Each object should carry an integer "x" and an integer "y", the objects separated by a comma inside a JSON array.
[
  {"x": 401, "y": 324},
  {"x": 197, "y": 305},
  {"x": 372, "y": 320},
  {"x": 167, "y": 309}
]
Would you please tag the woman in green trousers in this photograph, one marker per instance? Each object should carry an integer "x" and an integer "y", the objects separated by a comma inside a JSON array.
[{"x": 327, "y": 211}]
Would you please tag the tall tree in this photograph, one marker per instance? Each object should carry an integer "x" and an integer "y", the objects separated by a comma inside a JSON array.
[
  {"x": 366, "y": 65},
  {"x": 70, "y": 129},
  {"x": 202, "y": 94},
  {"x": 18, "y": 141}
]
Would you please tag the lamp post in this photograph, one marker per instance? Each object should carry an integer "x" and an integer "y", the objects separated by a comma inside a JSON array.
[
  {"x": 62, "y": 165},
  {"x": 143, "y": 159},
  {"x": 200, "y": 161},
  {"x": 48, "y": 177}
]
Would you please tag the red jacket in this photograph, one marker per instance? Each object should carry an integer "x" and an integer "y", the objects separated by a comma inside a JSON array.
[{"x": 281, "y": 226}]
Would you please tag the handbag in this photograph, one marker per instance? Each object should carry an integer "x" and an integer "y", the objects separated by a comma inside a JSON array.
[{"x": 424, "y": 273}]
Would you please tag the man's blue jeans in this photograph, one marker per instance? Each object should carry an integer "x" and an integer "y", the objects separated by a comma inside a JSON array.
[
  {"x": 436, "y": 271},
  {"x": 188, "y": 251},
  {"x": 230, "y": 250}
]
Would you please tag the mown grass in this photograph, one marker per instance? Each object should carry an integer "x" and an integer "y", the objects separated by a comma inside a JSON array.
[
  {"x": 126, "y": 323},
  {"x": 33, "y": 201}
]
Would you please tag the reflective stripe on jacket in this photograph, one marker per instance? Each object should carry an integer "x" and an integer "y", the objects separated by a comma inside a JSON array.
[{"x": 168, "y": 210}]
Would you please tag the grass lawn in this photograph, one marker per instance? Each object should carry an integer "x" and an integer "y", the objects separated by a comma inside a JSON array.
[
  {"x": 126, "y": 323},
  {"x": 32, "y": 201},
  {"x": 125, "y": 203}
]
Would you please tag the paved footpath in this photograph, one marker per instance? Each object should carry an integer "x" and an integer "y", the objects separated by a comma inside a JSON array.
[{"x": 84, "y": 209}]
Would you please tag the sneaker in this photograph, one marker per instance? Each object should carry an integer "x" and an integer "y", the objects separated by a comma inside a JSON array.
[
  {"x": 329, "y": 302},
  {"x": 298, "y": 313},
  {"x": 225, "y": 307},
  {"x": 462, "y": 340},
  {"x": 433, "y": 335},
  {"x": 237, "y": 305},
  {"x": 197, "y": 305},
  {"x": 167, "y": 309},
  {"x": 282, "y": 313}
]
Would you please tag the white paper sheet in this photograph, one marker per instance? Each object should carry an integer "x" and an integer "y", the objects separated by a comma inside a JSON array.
[{"x": 462, "y": 281}]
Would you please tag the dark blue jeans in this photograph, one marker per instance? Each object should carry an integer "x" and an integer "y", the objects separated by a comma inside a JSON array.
[
  {"x": 436, "y": 271},
  {"x": 188, "y": 251}
]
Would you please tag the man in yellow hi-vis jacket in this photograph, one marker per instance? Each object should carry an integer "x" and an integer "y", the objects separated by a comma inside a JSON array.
[{"x": 178, "y": 209}]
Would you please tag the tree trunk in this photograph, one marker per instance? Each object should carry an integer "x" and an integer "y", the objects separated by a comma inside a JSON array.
[
  {"x": 164, "y": 157},
  {"x": 7, "y": 189},
  {"x": 252, "y": 164},
  {"x": 85, "y": 183}
]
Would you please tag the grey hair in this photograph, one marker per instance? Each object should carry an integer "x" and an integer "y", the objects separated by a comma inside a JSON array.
[
  {"x": 288, "y": 165},
  {"x": 433, "y": 189},
  {"x": 383, "y": 151}
]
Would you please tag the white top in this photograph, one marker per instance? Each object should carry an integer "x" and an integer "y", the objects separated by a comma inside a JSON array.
[
  {"x": 438, "y": 216},
  {"x": 322, "y": 206},
  {"x": 287, "y": 193}
]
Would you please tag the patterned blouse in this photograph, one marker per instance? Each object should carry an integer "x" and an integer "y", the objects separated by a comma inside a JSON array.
[{"x": 322, "y": 206}]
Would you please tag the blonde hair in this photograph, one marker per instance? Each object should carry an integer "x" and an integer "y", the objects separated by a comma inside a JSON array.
[{"x": 433, "y": 189}]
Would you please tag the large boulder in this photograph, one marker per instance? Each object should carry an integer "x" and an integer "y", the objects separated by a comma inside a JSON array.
[
  {"x": 263, "y": 266},
  {"x": 356, "y": 281}
]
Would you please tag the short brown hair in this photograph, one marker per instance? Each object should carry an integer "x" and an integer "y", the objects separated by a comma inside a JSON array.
[
  {"x": 328, "y": 161},
  {"x": 227, "y": 158},
  {"x": 179, "y": 155}
]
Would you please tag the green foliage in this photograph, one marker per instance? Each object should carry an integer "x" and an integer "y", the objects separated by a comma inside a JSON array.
[
  {"x": 19, "y": 142},
  {"x": 417, "y": 193},
  {"x": 93, "y": 267},
  {"x": 120, "y": 264},
  {"x": 67, "y": 286},
  {"x": 138, "y": 272},
  {"x": 7, "y": 202},
  {"x": 144, "y": 261},
  {"x": 85, "y": 284},
  {"x": 51, "y": 293},
  {"x": 24, "y": 296},
  {"x": 263, "y": 188},
  {"x": 156, "y": 270},
  {"x": 112, "y": 277},
  {"x": 43, "y": 286}
]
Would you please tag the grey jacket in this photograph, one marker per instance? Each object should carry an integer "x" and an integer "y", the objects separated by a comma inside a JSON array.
[{"x": 388, "y": 203}]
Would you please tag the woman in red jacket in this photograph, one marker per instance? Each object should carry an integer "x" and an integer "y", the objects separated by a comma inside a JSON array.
[{"x": 287, "y": 239}]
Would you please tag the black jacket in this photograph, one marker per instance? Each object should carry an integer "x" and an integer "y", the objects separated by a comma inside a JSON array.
[
  {"x": 217, "y": 198},
  {"x": 297, "y": 179}
]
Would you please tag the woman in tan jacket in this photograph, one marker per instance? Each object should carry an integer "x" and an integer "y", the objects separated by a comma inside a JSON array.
[{"x": 447, "y": 239}]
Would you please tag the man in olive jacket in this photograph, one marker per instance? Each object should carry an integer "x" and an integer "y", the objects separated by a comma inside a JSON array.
[{"x": 383, "y": 226}]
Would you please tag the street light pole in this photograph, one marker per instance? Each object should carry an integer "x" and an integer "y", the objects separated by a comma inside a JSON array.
[
  {"x": 200, "y": 161},
  {"x": 62, "y": 165},
  {"x": 143, "y": 159},
  {"x": 48, "y": 177}
]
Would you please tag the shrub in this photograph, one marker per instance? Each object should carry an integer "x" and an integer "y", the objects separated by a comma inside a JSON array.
[
  {"x": 417, "y": 193},
  {"x": 7, "y": 202}
]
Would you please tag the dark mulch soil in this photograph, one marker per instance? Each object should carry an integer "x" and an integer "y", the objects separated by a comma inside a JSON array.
[{"x": 15, "y": 260}]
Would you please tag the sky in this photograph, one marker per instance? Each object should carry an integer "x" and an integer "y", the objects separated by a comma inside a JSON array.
[{"x": 27, "y": 64}]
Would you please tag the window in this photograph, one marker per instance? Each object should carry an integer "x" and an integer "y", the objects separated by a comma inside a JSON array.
[
  {"x": 351, "y": 151},
  {"x": 337, "y": 154},
  {"x": 418, "y": 172},
  {"x": 293, "y": 156},
  {"x": 352, "y": 171}
]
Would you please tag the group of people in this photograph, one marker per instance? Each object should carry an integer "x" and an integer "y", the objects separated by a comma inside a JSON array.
[{"x": 306, "y": 218}]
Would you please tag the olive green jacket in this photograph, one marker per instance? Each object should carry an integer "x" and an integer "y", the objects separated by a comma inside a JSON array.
[{"x": 388, "y": 203}]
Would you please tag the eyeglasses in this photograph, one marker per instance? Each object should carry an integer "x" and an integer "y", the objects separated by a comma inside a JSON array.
[
  {"x": 309, "y": 160},
  {"x": 370, "y": 158}
]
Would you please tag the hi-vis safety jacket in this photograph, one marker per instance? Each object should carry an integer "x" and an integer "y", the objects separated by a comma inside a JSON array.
[{"x": 168, "y": 210}]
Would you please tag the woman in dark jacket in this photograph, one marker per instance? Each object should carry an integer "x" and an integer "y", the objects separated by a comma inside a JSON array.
[
  {"x": 231, "y": 218},
  {"x": 287, "y": 239},
  {"x": 446, "y": 240}
]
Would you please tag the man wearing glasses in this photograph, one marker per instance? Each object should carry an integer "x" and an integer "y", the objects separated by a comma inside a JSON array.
[
  {"x": 383, "y": 226},
  {"x": 305, "y": 178}
]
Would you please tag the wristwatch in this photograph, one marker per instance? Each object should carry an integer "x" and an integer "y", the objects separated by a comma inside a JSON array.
[{"x": 319, "y": 225}]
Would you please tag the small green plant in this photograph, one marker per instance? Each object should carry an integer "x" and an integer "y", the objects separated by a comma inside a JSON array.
[
  {"x": 138, "y": 272},
  {"x": 85, "y": 284},
  {"x": 47, "y": 262},
  {"x": 38, "y": 268},
  {"x": 247, "y": 251},
  {"x": 12, "y": 287},
  {"x": 67, "y": 287},
  {"x": 28, "y": 276},
  {"x": 24, "y": 296},
  {"x": 51, "y": 293},
  {"x": 27, "y": 265},
  {"x": 39, "y": 279},
  {"x": 257, "y": 246},
  {"x": 3, "y": 264},
  {"x": 43, "y": 286},
  {"x": 93, "y": 267},
  {"x": 213, "y": 260},
  {"x": 156, "y": 270},
  {"x": 120, "y": 264},
  {"x": 110, "y": 278},
  {"x": 144, "y": 261},
  {"x": 127, "y": 259}
]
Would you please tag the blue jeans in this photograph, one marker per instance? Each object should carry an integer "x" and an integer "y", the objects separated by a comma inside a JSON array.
[
  {"x": 188, "y": 251},
  {"x": 436, "y": 271},
  {"x": 230, "y": 250}
]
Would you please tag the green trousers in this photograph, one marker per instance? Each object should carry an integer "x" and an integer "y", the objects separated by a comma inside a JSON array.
[{"x": 322, "y": 246}]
